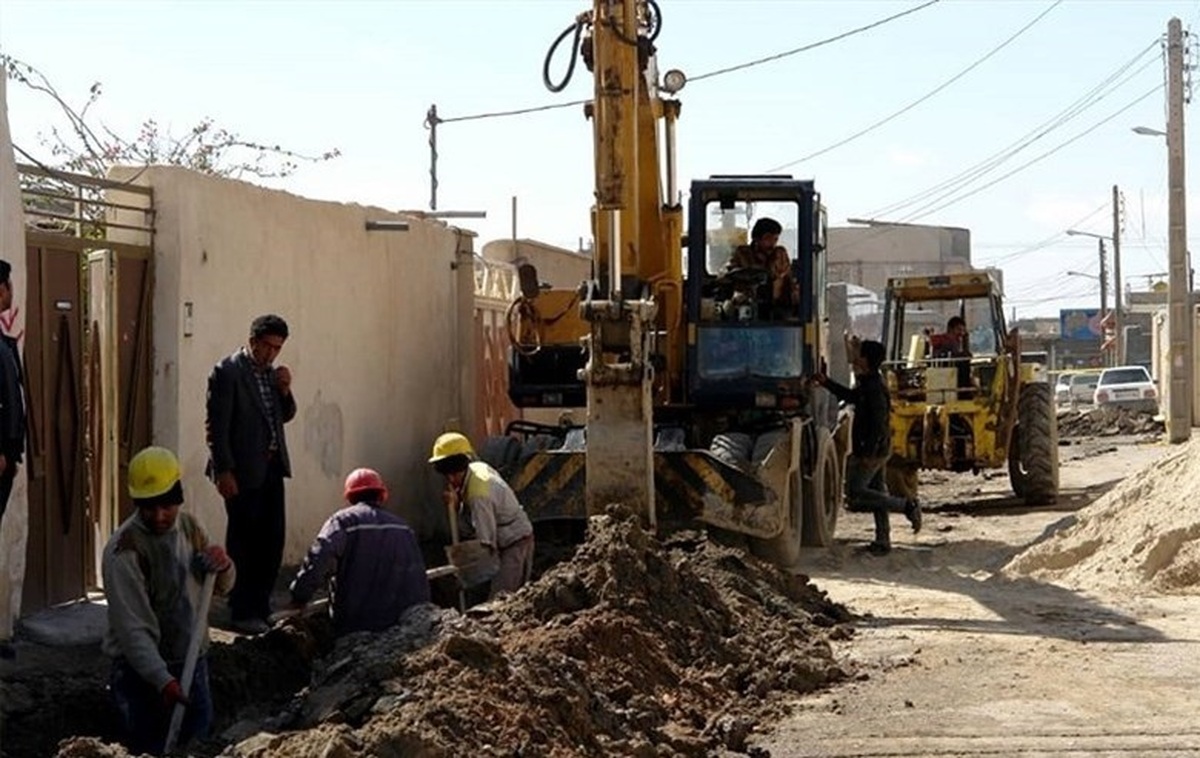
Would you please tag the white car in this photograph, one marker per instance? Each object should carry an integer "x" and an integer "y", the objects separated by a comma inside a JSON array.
[
  {"x": 1062, "y": 389},
  {"x": 1075, "y": 388},
  {"x": 1127, "y": 387}
]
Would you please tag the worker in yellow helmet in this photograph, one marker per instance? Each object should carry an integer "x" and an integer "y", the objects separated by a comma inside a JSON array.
[
  {"x": 154, "y": 567},
  {"x": 487, "y": 509}
]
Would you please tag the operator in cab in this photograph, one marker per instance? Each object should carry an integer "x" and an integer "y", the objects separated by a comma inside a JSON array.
[
  {"x": 764, "y": 253},
  {"x": 954, "y": 344}
]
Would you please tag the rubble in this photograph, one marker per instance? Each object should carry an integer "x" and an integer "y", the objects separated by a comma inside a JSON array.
[
  {"x": 635, "y": 646},
  {"x": 1107, "y": 421}
]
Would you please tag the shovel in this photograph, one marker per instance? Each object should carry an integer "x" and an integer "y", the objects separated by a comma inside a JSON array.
[{"x": 189, "y": 663}]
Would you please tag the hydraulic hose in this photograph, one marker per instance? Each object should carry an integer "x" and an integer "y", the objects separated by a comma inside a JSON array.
[{"x": 577, "y": 28}]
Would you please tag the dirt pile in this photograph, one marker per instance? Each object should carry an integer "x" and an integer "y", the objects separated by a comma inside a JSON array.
[
  {"x": 634, "y": 647},
  {"x": 1142, "y": 536},
  {"x": 1106, "y": 422}
]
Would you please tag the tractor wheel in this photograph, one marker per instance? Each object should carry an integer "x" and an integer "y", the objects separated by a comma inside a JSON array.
[
  {"x": 734, "y": 448},
  {"x": 901, "y": 479},
  {"x": 1033, "y": 451},
  {"x": 822, "y": 495},
  {"x": 500, "y": 452}
]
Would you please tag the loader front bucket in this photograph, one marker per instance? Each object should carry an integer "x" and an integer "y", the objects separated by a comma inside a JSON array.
[{"x": 689, "y": 485}]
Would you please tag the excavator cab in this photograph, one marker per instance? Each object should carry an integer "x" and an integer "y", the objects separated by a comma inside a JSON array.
[{"x": 751, "y": 343}]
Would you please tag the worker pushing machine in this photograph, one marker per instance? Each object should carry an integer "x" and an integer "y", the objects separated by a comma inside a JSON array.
[
  {"x": 487, "y": 510},
  {"x": 154, "y": 569},
  {"x": 373, "y": 556}
]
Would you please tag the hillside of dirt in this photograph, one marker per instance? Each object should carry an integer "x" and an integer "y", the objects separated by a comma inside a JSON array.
[
  {"x": 635, "y": 647},
  {"x": 1143, "y": 536}
]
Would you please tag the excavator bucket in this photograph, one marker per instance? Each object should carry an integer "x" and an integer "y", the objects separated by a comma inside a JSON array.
[{"x": 690, "y": 485}]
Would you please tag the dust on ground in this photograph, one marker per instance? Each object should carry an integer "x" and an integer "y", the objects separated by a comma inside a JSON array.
[
  {"x": 1143, "y": 536},
  {"x": 635, "y": 646}
]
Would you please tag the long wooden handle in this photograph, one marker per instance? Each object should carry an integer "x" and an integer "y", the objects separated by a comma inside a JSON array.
[{"x": 189, "y": 663}]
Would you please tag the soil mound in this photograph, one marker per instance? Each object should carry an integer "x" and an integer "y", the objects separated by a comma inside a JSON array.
[
  {"x": 1107, "y": 422},
  {"x": 635, "y": 646},
  {"x": 1144, "y": 535}
]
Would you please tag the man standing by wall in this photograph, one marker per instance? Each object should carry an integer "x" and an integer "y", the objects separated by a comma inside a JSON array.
[
  {"x": 12, "y": 410},
  {"x": 249, "y": 401}
]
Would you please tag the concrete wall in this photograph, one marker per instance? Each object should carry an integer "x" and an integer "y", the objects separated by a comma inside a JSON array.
[
  {"x": 14, "y": 527},
  {"x": 557, "y": 266},
  {"x": 376, "y": 324}
]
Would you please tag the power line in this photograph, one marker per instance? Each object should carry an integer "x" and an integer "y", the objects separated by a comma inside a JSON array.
[
  {"x": 815, "y": 45},
  {"x": 867, "y": 130},
  {"x": 1072, "y": 111},
  {"x": 922, "y": 213},
  {"x": 710, "y": 74}
]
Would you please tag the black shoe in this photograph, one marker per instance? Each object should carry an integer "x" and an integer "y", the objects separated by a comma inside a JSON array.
[
  {"x": 912, "y": 511},
  {"x": 876, "y": 548},
  {"x": 7, "y": 651}
]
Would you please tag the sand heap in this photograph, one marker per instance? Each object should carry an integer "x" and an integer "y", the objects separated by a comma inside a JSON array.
[
  {"x": 633, "y": 647},
  {"x": 1143, "y": 536}
]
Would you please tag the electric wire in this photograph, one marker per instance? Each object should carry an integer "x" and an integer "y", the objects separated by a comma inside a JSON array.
[
  {"x": 815, "y": 45},
  {"x": 887, "y": 119},
  {"x": 1093, "y": 96},
  {"x": 927, "y": 210},
  {"x": 701, "y": 77}
]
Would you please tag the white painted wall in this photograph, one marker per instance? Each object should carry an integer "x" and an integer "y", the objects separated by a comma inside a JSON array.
[
  {"x": 374, "y": 346},
  {"x": 14, "y": 529}
]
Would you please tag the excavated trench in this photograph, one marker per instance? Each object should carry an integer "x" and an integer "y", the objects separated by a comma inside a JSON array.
[{"x": 632, "y": 646}]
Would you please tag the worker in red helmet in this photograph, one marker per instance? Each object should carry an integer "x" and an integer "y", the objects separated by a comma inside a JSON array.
[{"x": 371, "y": 554}]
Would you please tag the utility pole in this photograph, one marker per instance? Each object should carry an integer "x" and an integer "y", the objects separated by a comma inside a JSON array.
[
  {"x": 1179, "y": 311},
  {"x": 1118, "y": 293},
  {"x": 1103, "y": 285}
]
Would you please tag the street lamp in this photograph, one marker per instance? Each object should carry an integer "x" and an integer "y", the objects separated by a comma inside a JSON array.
[
  {"x": 1117, "y": 321},
  {"x": 1082, "y": 273},
  {"x": 1147, "y": 131}
]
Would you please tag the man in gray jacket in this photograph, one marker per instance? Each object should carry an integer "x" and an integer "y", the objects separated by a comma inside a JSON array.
[
  {"x": 153, "y": 567},
  {"x": 249, "y": 401}
]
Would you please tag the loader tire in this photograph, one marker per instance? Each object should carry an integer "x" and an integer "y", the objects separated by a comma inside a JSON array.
[
  {"x": 822, "y": 495},
  {"x": 734, "y": 448},
  {"x": 500, "y": 452},
  {"x": 765, "y": 443},
  {"x": 1033, "y": 451}
]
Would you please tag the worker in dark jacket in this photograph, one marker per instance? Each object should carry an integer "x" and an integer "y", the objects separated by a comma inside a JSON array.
[
  {"x": 871, "y": 444},
  {"x": 377, "y": 568}
]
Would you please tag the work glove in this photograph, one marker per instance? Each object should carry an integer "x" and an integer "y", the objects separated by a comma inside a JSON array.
[
  {"x": 172, "y": 694},
  {"x": 211, "y": 560}
]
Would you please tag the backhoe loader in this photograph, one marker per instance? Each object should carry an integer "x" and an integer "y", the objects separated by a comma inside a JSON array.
[
  {"x": 693, "y": 374},
  {"x": 978, "y": 407}
]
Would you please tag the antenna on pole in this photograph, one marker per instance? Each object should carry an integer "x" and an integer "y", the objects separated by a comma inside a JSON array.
[{"x": 431, "y": 123}]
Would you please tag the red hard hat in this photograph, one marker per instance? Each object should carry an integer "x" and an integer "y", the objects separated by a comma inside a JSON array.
[{"x": 365, "y": 480}]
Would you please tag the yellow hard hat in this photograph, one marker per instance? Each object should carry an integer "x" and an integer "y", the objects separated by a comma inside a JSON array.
[
  {"x": 449, "y": 445},
  {"x": 152, "y": 472}
]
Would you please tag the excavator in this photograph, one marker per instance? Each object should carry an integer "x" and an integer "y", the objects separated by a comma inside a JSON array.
[{"x": 699, "y": 406}]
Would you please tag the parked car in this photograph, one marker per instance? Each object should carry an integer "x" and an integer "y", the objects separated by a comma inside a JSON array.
[
  {"x": 1062, "y": 389},
  {"x": 1076, "y": 387},
  {"x": 1127, "y": 387}
]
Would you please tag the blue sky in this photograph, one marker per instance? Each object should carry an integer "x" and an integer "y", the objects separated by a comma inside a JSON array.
[{"x": 360, "y": 76}]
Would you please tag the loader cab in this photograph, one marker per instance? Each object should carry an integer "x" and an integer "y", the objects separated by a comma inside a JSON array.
[
  {"x": 747, "y": 347},
  {"x": 916, "y": 313}
]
